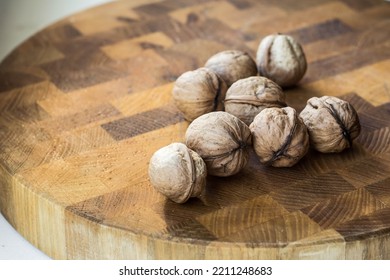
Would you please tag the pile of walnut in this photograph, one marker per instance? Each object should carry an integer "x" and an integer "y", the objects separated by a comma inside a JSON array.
[{"x": 234, "y": 104}]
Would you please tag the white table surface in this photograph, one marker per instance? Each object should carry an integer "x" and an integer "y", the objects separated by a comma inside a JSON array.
[{"x": 19, "y": 19}]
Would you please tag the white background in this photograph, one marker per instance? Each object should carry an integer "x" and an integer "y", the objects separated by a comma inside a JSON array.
[
  {"x": 19, "y": 19},
  {"x": 281, "y": 270}
]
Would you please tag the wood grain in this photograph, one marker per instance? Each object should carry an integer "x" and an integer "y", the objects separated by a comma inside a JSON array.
[{"x": 85, "y": 103}]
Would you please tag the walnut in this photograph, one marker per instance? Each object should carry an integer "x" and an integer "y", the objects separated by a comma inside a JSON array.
[
  {"x": 198, "y": 92},
  {"x": 232, "y": 65},
  {"x": 279, "y": 136},
  {"x": 332, "y": 123},
  {"x": 177, "y": 172},
  {"x": 281, "y": 59},
  {"x": 248, "y": 97},
  {"x": 222, "y": 140}
]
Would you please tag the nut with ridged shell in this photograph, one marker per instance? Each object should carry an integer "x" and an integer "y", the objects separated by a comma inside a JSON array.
[
  {"x": 332, "y": 123},
  {"x": 199, "y": 92},
  {"x": 232, "y": 65},
  {"x": 279, "y": 136},
  {"x": 248, "y": 97},
  {"x": 177, "y": 172},
  {"x": 222, "y": 140},
  {"x": 281, "y": 59}
]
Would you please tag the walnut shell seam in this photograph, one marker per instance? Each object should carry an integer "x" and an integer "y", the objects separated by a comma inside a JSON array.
[
  {"x": 345, "y": 132},
  {"x": 281, "y": 152}
]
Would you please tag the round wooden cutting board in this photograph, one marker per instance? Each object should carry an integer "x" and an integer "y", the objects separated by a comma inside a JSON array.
[{"x": 85, "y": 103}]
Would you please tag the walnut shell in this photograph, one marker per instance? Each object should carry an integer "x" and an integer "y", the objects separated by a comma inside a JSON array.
[
  {"x": 281, "y": 59},
  {"x": 199, "y": 92},
  {"x": 177, "y": 172},
  {"x": 332, "y": 123},
  {"x": 279, "y": 136},
  {"x": 248, "y": 97},
  {"x": 222, "y": 140},
  {"x": 232, "y": 65}
]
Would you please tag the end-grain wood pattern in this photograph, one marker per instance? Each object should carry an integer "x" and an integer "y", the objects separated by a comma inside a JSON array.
[{"x": 85, "y": 103}]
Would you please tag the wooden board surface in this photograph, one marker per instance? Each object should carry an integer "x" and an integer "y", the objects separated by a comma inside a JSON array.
[{"x": 85, "y": 103}]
